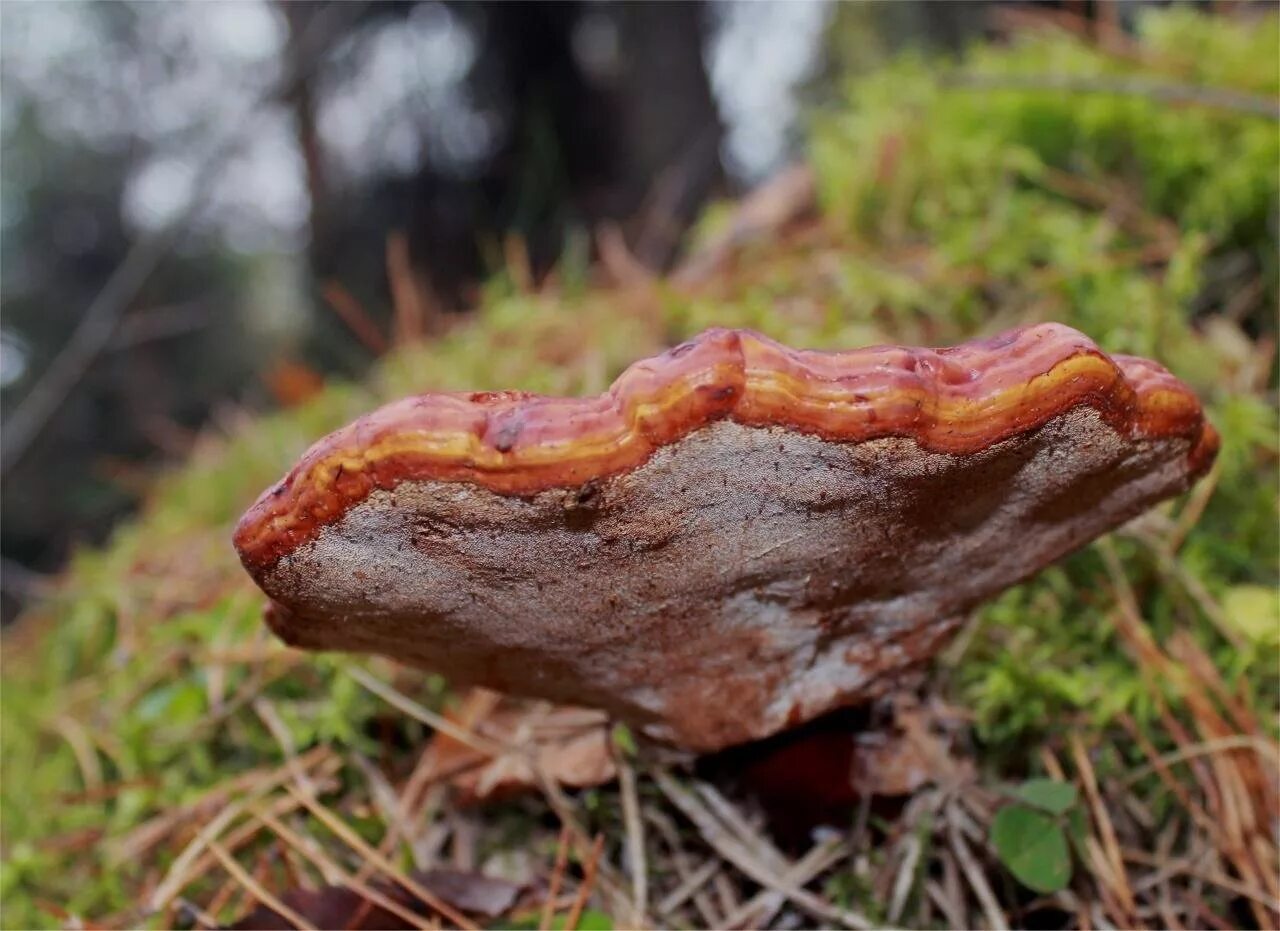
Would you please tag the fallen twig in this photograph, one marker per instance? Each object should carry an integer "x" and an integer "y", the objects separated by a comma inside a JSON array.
[{"x": 747, "y": 860}]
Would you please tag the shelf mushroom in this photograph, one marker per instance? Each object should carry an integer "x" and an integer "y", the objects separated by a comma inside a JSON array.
[{"x": 735, "y": 538}]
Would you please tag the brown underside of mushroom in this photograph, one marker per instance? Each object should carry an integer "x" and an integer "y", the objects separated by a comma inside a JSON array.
[{"x": 739, "y": 580}]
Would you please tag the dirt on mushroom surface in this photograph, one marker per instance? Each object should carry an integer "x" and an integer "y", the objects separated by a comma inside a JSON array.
[{"x": 1099, "y": 744}]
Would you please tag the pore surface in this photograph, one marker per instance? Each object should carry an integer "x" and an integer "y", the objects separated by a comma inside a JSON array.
[{"x": 739, "y": 580}]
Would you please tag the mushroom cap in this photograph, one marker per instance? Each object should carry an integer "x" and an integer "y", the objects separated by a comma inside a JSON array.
[{"x": 736, "y": 537}]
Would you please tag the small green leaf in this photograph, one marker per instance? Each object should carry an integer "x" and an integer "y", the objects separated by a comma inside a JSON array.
[
  {"x": 623, "y": 740},
  {"x": 1047, "y": 794},
  {"x": 1254, "y": 610},
  {"x": 1033, "y": 847},
  {"x": 589, "y": 920},
  {"x": 1077, "y": 831},
  {"x": 592, "y": 920}
]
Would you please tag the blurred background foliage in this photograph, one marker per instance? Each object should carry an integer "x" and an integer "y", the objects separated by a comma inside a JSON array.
[
  {"x": 288, "y": 156},
  {"x": 1118, "y": 175}
]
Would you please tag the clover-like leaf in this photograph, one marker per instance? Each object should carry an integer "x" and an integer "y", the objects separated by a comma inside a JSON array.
[
  {"x": 1032, "y": 845},
  {"x": 1048, "y": 795}
]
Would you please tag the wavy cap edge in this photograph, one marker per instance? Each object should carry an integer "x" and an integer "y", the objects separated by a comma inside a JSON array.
[{"x": 959, "y": 400}]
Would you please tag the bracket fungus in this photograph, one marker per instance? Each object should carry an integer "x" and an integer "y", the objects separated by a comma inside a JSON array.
[{"x": 735, "y": 538}]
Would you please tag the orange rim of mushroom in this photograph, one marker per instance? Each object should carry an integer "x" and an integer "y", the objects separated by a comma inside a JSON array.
[{"x": 958, "y": 400}]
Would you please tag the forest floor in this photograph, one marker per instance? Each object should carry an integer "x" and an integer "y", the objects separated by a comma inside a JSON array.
[{"x": 1098, "y": 746}]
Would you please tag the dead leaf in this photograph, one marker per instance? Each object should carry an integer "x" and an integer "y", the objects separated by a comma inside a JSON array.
[
  {"x": 900, "y": 759},
  {"x": 570, "y": 746},
  {"x": 291, "y": 382}
]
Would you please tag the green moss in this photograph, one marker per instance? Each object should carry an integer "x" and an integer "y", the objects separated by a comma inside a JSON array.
[{"x": 947, "y": 210}]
